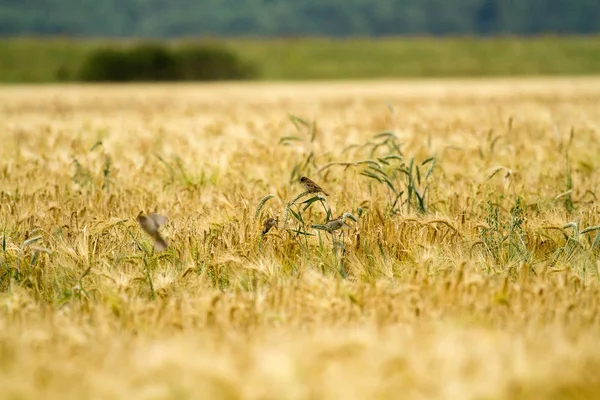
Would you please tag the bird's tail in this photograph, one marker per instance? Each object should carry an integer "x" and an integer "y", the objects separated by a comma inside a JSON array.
[{"x": 159, "y": 243}]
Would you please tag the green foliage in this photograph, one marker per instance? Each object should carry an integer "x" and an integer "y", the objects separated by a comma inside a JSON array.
[
  {"x": 154, "y": 18},
  {"x": 503, "y": 237},
  {"x": 158, "y": 62},
  {"x": 207, "y": 63},
  {"x": 400, "y": 175},
  {"x": 50, "y": 60},
  {"x": 140, "y": 63}
]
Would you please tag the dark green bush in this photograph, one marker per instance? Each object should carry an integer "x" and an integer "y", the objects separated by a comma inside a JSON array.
[
  {"x": 156, "y": 62},
  {"x": 152, "y": 62},
  {"x": 106, "y": 65},
  {"x": 206, "y": 63},
  {"x": 143, "y": 62}
]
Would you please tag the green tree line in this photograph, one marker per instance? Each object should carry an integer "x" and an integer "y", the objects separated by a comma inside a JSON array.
[{"x": 172, "y": 18}]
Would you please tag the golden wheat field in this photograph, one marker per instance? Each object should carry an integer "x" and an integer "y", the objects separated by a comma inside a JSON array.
[{"x": 467, "y": 268}]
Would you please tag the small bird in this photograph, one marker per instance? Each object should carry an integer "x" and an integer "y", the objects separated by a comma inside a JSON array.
[
  {"x": 335, "y": 224},
  {"x": 268, "y": 224},
  {"x": 311, "y": 186},
  {"x": 151, "y": 224}
]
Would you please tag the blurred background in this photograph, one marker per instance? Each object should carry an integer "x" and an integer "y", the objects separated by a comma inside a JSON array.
[{"x": 199, "y": 40}]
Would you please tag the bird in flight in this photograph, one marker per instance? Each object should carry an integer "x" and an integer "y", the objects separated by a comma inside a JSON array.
[{"x": 151, "y": 224}]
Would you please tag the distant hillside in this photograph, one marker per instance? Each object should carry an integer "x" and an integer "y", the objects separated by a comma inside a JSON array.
[{"x": 168, "y": 18}]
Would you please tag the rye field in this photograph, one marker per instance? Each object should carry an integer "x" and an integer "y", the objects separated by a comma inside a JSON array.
[{"x": 467, "y": 267}]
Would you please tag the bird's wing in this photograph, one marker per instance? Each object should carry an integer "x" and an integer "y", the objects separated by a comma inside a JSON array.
[
  {"x": 158, "y": 219},
  {"x": 159, "y": 243}
]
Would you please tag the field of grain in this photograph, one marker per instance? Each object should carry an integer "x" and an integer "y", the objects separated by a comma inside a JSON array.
[{"x": 471, "y": 271}]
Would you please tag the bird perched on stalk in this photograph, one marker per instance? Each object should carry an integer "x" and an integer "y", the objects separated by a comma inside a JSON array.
[
  {"x": 151, "y": 224},
  {"x": 268, "y": 224},
  {"x": 311, "y": 186},
  {"x": 335, "y": 224}
]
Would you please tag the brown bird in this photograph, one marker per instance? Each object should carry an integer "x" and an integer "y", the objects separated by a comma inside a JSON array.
[
  {"x": 311, "y": 186},
  {"x": 268, "y": 224},
  {"x": 335, "y": 224},
  {"x": 151, "y": 224}
]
